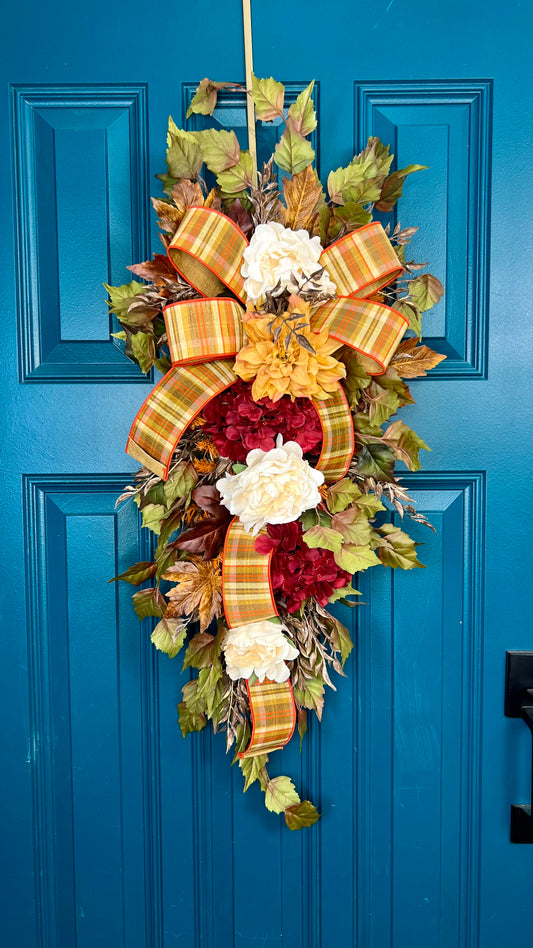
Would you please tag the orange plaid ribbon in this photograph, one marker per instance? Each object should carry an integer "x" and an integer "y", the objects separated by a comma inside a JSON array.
[{"x": 204, "y": 335}]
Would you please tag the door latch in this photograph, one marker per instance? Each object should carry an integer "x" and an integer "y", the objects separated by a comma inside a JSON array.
[{"x": 519, "y": 704}]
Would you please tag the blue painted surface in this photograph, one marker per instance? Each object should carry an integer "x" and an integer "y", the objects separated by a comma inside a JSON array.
[{"x": 116, "y": 831}]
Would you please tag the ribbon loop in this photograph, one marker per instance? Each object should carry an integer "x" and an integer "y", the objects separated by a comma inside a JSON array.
[
  {"x": 362, "y": 262},
  {"x": 207, "y": 251},
  {"x": 169, "y": 409},
  {"x": 203, "y": 330},
  {"x": 338, "y": 439},
  {"x": 372, "y": 329}
]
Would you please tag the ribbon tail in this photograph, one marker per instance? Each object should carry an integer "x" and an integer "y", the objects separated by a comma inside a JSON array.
[
  {"x": 273, "y": 716},
  {"x": 338, "y": 440},
  {"x": 169, "y": 409},
  {"x": 246, "y": 588}
]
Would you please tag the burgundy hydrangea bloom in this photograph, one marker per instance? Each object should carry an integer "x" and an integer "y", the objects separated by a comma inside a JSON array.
[
  {"x": 237, "y": 424},
  {"x": 297, "y": 571}
]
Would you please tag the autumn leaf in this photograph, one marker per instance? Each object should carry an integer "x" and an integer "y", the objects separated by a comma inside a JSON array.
[
  {"x": 137, "y": 574},
  {"x": 187, "y": 194},
  {"x": 184, "y": 155},
  {"x": 154, "y": 270},
  {"x": 396, "y": 548},
  {"x": 301, "y": 115},
  {"x": 199, "y": 589},
  {"x": 323, "y": 538},
  {"x": 201, "y": 651},
  {"x": 170, "y": 217},
  {"x": 301, "y": 815},
  {"x": 341, "y": 495},
  {"x": 302, "y": 194},
  {"x": 353, "y": 526},
  {"x": 311, "y": 696},
  {"x": 280, "y": 793},
  {"x": 405, "y": 443},
  {"x": 120, "y": 297},
  {"x": 340, "y": 636},
  {"x": 412, "y": 313},
  {"x": 149, "y": 602},
  {"x": 293, "y": 152},
  {"x": 355, "y": 558},
  {"x": 180, "y": 482},
  {"x": 236, "y": 212},
  {"x": 143, "y": 350},
  {"x": 376, "y": 460},
  {"x": 208, "y": 498},
  {"x": 169, "y": 635},
  {"x": 361, "y": 181},
  {"x": 268, "y": 96},
  {"x": 425, "y": 291},
  {"x": 206, "y": 537},
  {"x": 205, "y": 98},
  {"x": 393, "y": 187},
  {"x": 253, "y": 768},
  {"x": 412, "y": 361},
  {"x": 220, "y": 149},
  {"x": 238, "y": 177},
  {"x": 190, "y": 721}
]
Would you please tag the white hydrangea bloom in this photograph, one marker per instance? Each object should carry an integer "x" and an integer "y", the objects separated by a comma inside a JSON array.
[
  {"x": 275, "y": 255},
  {"x": 276, "y": 487},
  {"x": 258, "y": 648}
]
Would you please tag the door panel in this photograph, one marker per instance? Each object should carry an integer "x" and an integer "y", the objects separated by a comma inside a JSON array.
[{"x": 117, "y": 831}]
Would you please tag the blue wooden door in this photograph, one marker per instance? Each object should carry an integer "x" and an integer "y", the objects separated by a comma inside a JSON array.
[{"x": 117, "y": 831}]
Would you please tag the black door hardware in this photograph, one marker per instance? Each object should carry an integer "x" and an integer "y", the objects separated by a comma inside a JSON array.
[{"x": 519, "y": 704}]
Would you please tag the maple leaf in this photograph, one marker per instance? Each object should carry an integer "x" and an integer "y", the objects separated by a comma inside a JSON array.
[
  {"x": 169, "y": 216},
  {"x": 199, "y": 589},
  {"x": 302, "y": 194},
  {"x": 412, "y": 361},
  {"x": 187, "y": 193}
]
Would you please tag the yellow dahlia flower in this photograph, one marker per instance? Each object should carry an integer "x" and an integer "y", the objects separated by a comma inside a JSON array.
[{"x": 280, "y": 363}]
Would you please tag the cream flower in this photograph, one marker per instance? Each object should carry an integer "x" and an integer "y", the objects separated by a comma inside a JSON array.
[
  {"x": 258, "y": 648},
  {"x": 275, "y": 255},
  {"x": 276, "y": 487}
]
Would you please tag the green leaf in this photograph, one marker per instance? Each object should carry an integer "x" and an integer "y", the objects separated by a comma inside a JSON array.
[
  {"x": 302, "y": 725},
  {"x": 169, "y": 635},
  {"x": 341, "y": 637},
  {"x": 293, "y": 152},
  {"x": 352, "y": 215},
  {"x": 166, "y": 559},
  {"x": 149, "y": 602},
  {"x": 192, "y": 698},
  {"x": 405, "y": 443},
  {"x": 323, "y": 538},
  {"x": 363, "y": 177},
  {"x": 239, "y": 177},
  {"x": 397, "y": 549},
  {"x": 370, "y": 504},
  {"x": 120, "y": 297},
  {"x": 425, "y": 291},
  {"x": 343, "y": 594},
  {"x": 412, "y": 313},
  {"x": 137, "y": 574},
  {"x": 268, "y": 96},
  {"x": 301, "y": 115},
  {"x": 211, "y": 687},
  {"x": 393, "y": 187},
  {"x": 180, "y": 483},
  {"x": 237, "y": 468},
  {"x": 341, "y": 495},
  {"x": 253, "y": 768},
  {"x": 311, "y": 696},
  {"x": 356, "y": 377},
  {"x": 279, "y": 794},
  {"x": 309, "y": 519},
  {"x": 301, "y": 815},
  {"x": 190, "y": 720},
  {"x": 220, "y": 149},
  {"x": 376, "y": 460},
  {"x": 383, "y": 403},
  {"x": 152, "y": 516},
  {"x": 169, "y": 525},
  {"x": 143, "y": 350},
  {"x": 355, "y": 559},
  {"x": 202, "y": 651},
  {"x": 205, "y": 98},
  {"x": 119, "y": 335},
  {"x": 184, "y": 155},
  {"x": 353, "y": 526}
]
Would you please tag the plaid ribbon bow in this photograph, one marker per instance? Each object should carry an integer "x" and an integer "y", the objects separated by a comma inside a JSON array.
[{"x": 204, "y": 336}]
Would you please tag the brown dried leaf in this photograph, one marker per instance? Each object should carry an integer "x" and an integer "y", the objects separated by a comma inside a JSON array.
[
  {"x": 187, "y": 194},
  {"x": 199, "y": 589},
  {"x": 412, "y": 361},
  {"x": 169, "y": 216},
  {"x": 154, "y": 270},
  {"x": 302, "y": 194},
  {"x": 206, "y": 537}
]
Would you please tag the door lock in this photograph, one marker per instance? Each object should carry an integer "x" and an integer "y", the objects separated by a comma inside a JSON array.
[{"x": 519, "y": 704}]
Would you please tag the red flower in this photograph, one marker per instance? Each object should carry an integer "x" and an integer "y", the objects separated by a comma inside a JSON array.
[
  {"x": 237, "y": 424},
  {"x": 296, "y": 571}
]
